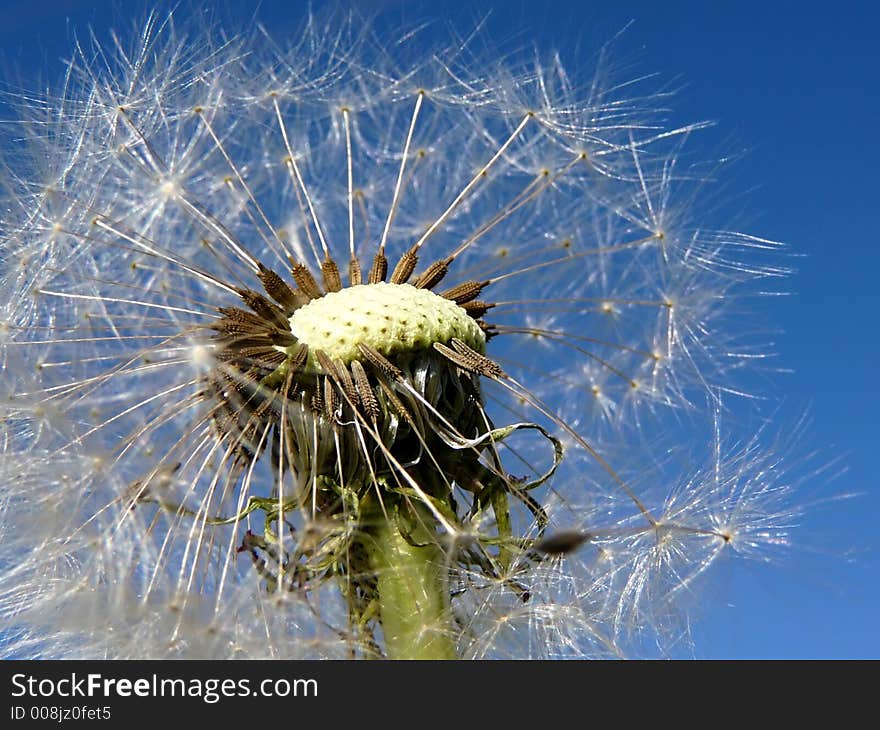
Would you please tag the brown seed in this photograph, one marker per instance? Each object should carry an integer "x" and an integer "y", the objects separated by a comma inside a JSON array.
[
  {"x": 265, "y": 357},
  {"x": 469, "y": 360},
  {"x": 326, "y": 363},
  {"x": 562, "y": 542},
  {"x": 379, "y": 269},
  {"x": 282, "y": 338},
  {"x": 263, "y": 308},
  {"x": 347, "y": 384},
  {"x": 465, "y": 292},
  {"x": 433, "y": 275},
  {"x": 239, "y": 321},
  {"x": 304, "y": 280},
  {"x": 331, "y": 400},
  {"x": 298, "y": 354},
  {"x": 279, "y": 290},
  {"x": 380, "y": 362},
  {"x": 330, "y": 272},
  {"x": 477, "y": 308},
  {"x": 354, "y": 271},
  {"x": 405, "y": 267},
  {"x": 365, "y": 391}
]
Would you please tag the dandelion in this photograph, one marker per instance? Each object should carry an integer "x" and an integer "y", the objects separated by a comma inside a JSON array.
[{"x": 313, "y": 351}]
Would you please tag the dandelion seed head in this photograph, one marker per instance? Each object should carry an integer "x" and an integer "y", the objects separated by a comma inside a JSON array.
[{"x": 277, "y": 312}]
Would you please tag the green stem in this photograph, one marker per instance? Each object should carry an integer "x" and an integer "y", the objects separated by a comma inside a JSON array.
[{"x": 413, "y": 589}]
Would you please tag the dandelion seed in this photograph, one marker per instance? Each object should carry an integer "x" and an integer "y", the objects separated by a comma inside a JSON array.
[{"x": 316, "y": 354}]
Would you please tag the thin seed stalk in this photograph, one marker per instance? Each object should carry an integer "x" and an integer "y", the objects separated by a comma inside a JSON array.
[{"x": 412, "y": 585}]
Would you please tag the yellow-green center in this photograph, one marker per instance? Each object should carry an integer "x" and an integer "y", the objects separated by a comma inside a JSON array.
[{"x": 390, "y": 318}]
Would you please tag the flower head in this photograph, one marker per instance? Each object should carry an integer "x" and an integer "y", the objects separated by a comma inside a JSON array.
[{"x": 314, "y": 353}]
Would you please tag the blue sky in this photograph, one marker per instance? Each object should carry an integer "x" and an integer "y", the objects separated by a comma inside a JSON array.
[{"x": 794, "y": 94}]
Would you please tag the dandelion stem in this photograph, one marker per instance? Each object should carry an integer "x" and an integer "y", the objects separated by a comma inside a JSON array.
[{"x": 412, "y": 587}]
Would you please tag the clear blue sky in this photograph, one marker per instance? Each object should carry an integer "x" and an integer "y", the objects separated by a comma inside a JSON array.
[{"x": 795, "y": 92}]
